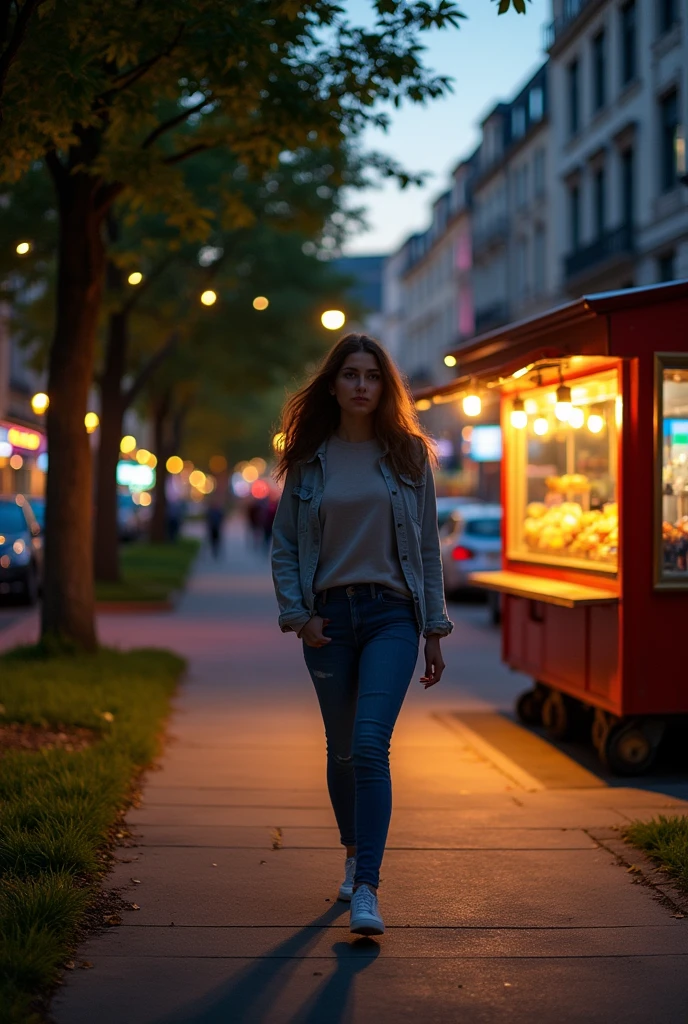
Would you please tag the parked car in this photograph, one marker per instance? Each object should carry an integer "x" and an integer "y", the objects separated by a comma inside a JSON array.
[
  {"x": 447, "y": 505},
  {"x": 470, "y": 541},
  {"x": 21, "y": 549}
]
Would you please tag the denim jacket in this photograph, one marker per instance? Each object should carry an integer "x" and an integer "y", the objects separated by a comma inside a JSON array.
[{"x": 296, "y": 544}]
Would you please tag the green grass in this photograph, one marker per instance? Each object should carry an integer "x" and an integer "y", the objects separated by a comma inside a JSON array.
[
  {"x": 665, "y": 840},
  {"x": 58, "y": 809},
  {"x": 150, "y": 572}
]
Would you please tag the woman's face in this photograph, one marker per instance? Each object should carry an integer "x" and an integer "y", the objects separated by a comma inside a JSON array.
[{"x": 358, "y": 385}]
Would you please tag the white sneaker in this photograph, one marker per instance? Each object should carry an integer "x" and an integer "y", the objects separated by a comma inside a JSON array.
[
  {"x": 365, "y": 916},
  {"x": 346, "y": 889}
]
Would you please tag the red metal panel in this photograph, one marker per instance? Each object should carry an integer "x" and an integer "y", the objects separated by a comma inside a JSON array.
[
  {"x": 603, "y": 641},
  {"x": 525, "y": 637},
  {"x": 565, "y": 654}
]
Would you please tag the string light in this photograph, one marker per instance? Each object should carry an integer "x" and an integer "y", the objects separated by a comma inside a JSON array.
[{"x": 519, "y": 416}]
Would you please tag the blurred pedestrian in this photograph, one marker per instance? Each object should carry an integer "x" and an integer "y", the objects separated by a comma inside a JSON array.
[
  {"x": 214, "y": 518},
  {"x": 254, "y": 518},
  {"x": 267, "y": 518},
  {"x": 358, "y": 576}
]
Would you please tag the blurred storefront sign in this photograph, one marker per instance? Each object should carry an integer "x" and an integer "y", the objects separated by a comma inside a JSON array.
[
  {"x": 22, "y": 440},
  {"x": 135, "y": 476}
]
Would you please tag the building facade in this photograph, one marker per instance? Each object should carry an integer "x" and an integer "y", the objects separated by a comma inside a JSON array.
[{"x": 619, "y": 90}]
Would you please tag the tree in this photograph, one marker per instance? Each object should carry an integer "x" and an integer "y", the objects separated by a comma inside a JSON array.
[{"x": 120, "y": 88}]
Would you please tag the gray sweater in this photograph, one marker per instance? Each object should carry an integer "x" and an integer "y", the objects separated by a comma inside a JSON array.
[{"x": 358, "y": 540}]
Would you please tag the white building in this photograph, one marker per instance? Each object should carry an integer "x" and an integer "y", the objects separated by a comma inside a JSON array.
[{"x": 619, "y": 88}]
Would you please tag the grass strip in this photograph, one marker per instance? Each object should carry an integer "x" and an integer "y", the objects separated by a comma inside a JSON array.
[
  {"x": 58, "y": 808},
  {"x": 665, "y": 840},
  {"x": 150, "y": 572}
]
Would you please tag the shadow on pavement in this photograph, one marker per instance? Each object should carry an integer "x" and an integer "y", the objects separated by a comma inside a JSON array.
[{"x": 255, "y": 995}]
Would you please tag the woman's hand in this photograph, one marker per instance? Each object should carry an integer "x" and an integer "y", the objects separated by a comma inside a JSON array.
[
  {"x": 434, "y": 663},
  {"x": 312, "y": 633}
]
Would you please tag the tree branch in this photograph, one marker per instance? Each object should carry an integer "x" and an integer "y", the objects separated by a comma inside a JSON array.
[
  {"x": 9, "y": 53},
  {"x": 127, "y": 78},
  {"x": 147, "y": 282},
  {"x": 149, "y": 368},
  {"x": 177, "y": 158},
  {"x": 173, "y": 122}
]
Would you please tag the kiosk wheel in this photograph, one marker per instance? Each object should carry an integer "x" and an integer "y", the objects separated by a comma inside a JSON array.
[
  {"x": 630, "y": 747},
  {"x": 529, "y": 705},
  {"x": 560, "y": 715}
]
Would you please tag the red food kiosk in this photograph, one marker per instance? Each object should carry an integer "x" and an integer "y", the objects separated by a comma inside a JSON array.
[{"x": 594, "y": 578}]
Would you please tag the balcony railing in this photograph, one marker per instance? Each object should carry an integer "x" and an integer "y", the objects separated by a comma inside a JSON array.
[
  {"x": 610, "y": 246},
  {"x": 491, "y": 316},
  {"x": 494, "y": 233},
  {"x": 556, "y": 28}
]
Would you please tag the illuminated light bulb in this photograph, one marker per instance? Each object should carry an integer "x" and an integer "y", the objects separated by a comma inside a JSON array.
[
  {"x": 260, "y": 302},
  {"x": 520, "y": 373},
  {"x": 541, "y": 426},
  {"x": 91, "y": 422},
  {"x": 333, "y": 319},
  {"x": 472, "y": 405},
  {"x": 519, "y": 416},
  {"x": 576, "y": 418},
  {"x": 209, "y": 297},
  {"x": 595, "y": 423},
  {"x": 23, "y": 248},
  {"x": 562, "y": 409},
  {"x": 450, "y": 360},
  {"x": 39, "y": 403},
  {"x": 127, "y": 444},
  {"x": 278, "y": 442},
  {"x": 531, "y": 406},
  {"x": 422, "y": 404},
  {"x": 136, "y": 277},
  {"x": 174, "y": 465}
]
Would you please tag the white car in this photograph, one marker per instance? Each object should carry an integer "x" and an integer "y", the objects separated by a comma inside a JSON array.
[
  {"x": 447, "y": 505},
  {"x": 470, "y": 541}
]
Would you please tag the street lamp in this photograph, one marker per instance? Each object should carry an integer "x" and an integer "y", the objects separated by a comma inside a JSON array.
[
  {"x": 39, "y": 403},
  {"x": 333, "y": 319},
  {"x": 209, "y": 297}
]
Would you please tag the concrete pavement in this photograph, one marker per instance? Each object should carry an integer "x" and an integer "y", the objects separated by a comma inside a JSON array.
[{"x": 501, "y": 897}]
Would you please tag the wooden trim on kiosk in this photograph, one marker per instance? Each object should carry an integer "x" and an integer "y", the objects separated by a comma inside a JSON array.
[{"x": 543, "y": 588}]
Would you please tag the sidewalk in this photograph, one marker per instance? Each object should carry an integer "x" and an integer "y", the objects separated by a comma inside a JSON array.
[{"x": 500, "y": 902}]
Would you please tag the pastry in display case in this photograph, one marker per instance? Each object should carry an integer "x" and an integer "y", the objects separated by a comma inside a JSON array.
[{"x": 564, "y": 474}]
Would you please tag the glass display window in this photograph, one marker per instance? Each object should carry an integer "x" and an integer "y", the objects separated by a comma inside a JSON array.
[
  {"x": 671, "y": 561},
  {"x": 563, "y": 472}
]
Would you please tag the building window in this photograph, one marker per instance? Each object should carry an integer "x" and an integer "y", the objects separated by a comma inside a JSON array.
[
  {"x": 666, "y": 267},
  {"x": 518, "y": 122},
  {"x": 574, "y": 99},
  {"x": 575, "y": 217},
  {"x": 599, "y": 45},
  {"x": 539, "y": 172},
  {"x": 599, "y": 191},
  {"x": 668, "y": 107},
  {"x": 536, "y": 104},
  {"x": 668, "y": 15},
  {"x": 629, "y": 38},
  {"x": 628, "y": 186},
  {"x": 539, "y": 260}
]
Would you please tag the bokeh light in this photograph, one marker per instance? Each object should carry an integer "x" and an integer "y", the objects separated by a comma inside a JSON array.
[
  {"x": 136, "y": 277},
  {"x": 450, "y": 360},
  {"x": 145, "y": 499},
  {"x": 142, "y": 456},
  {"x": 197, "y": 479},
  {"x": 472, "y": 405},
  {"x": 23, "y": 248},
  {"x": 333, "y": 319},
  {"x": 209, "y": 297},
  {"x": 278, "y": 442},
  {"x": 260, "y": 464},
  {"x": 260, "y": 302},
  {"x": 260, "y": 489},
  {"x": 250, "y": 473},
  {"x": 174, "y": 465},
  {"x": 16, "y": 462},
  {"x": 91, "y": 421},
  {"x": 218, "y": 464},
  {"x": 39, "y": 403},
  {"x": 127, "y": 444}
]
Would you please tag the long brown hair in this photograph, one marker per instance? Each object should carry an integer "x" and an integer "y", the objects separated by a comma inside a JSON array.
[{"x": 312, "y": 413}]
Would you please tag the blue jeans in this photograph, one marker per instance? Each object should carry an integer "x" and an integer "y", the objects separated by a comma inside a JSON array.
[{"x": 361, "y": 678}]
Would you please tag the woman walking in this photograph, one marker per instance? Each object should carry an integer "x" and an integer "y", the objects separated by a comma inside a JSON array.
[{"x": 358, "y": 577}]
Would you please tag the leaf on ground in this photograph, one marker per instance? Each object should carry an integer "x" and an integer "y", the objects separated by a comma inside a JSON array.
[{"x": 136, "y": 881}]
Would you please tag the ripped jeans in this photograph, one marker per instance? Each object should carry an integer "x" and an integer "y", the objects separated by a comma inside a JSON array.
[{"x": 361, "y": 679}]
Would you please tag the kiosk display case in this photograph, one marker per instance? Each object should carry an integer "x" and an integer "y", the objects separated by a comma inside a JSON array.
[{"x": 594, "y": 399}]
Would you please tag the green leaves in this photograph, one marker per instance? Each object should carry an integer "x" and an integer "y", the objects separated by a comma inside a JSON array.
[{"x": 518, "y": 5}]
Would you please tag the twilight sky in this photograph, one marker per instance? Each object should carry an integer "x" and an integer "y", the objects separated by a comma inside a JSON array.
[{"x": 488, "y": 57}]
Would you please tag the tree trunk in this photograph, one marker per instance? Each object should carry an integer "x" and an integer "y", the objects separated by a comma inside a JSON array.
[
  {"x": 161, "y": 424},
  {"x": 112, "y": 406},
  {"x": 68, "y": 599}
]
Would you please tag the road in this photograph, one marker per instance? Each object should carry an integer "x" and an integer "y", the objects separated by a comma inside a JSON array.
[{"x": 501, "y": 892}]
